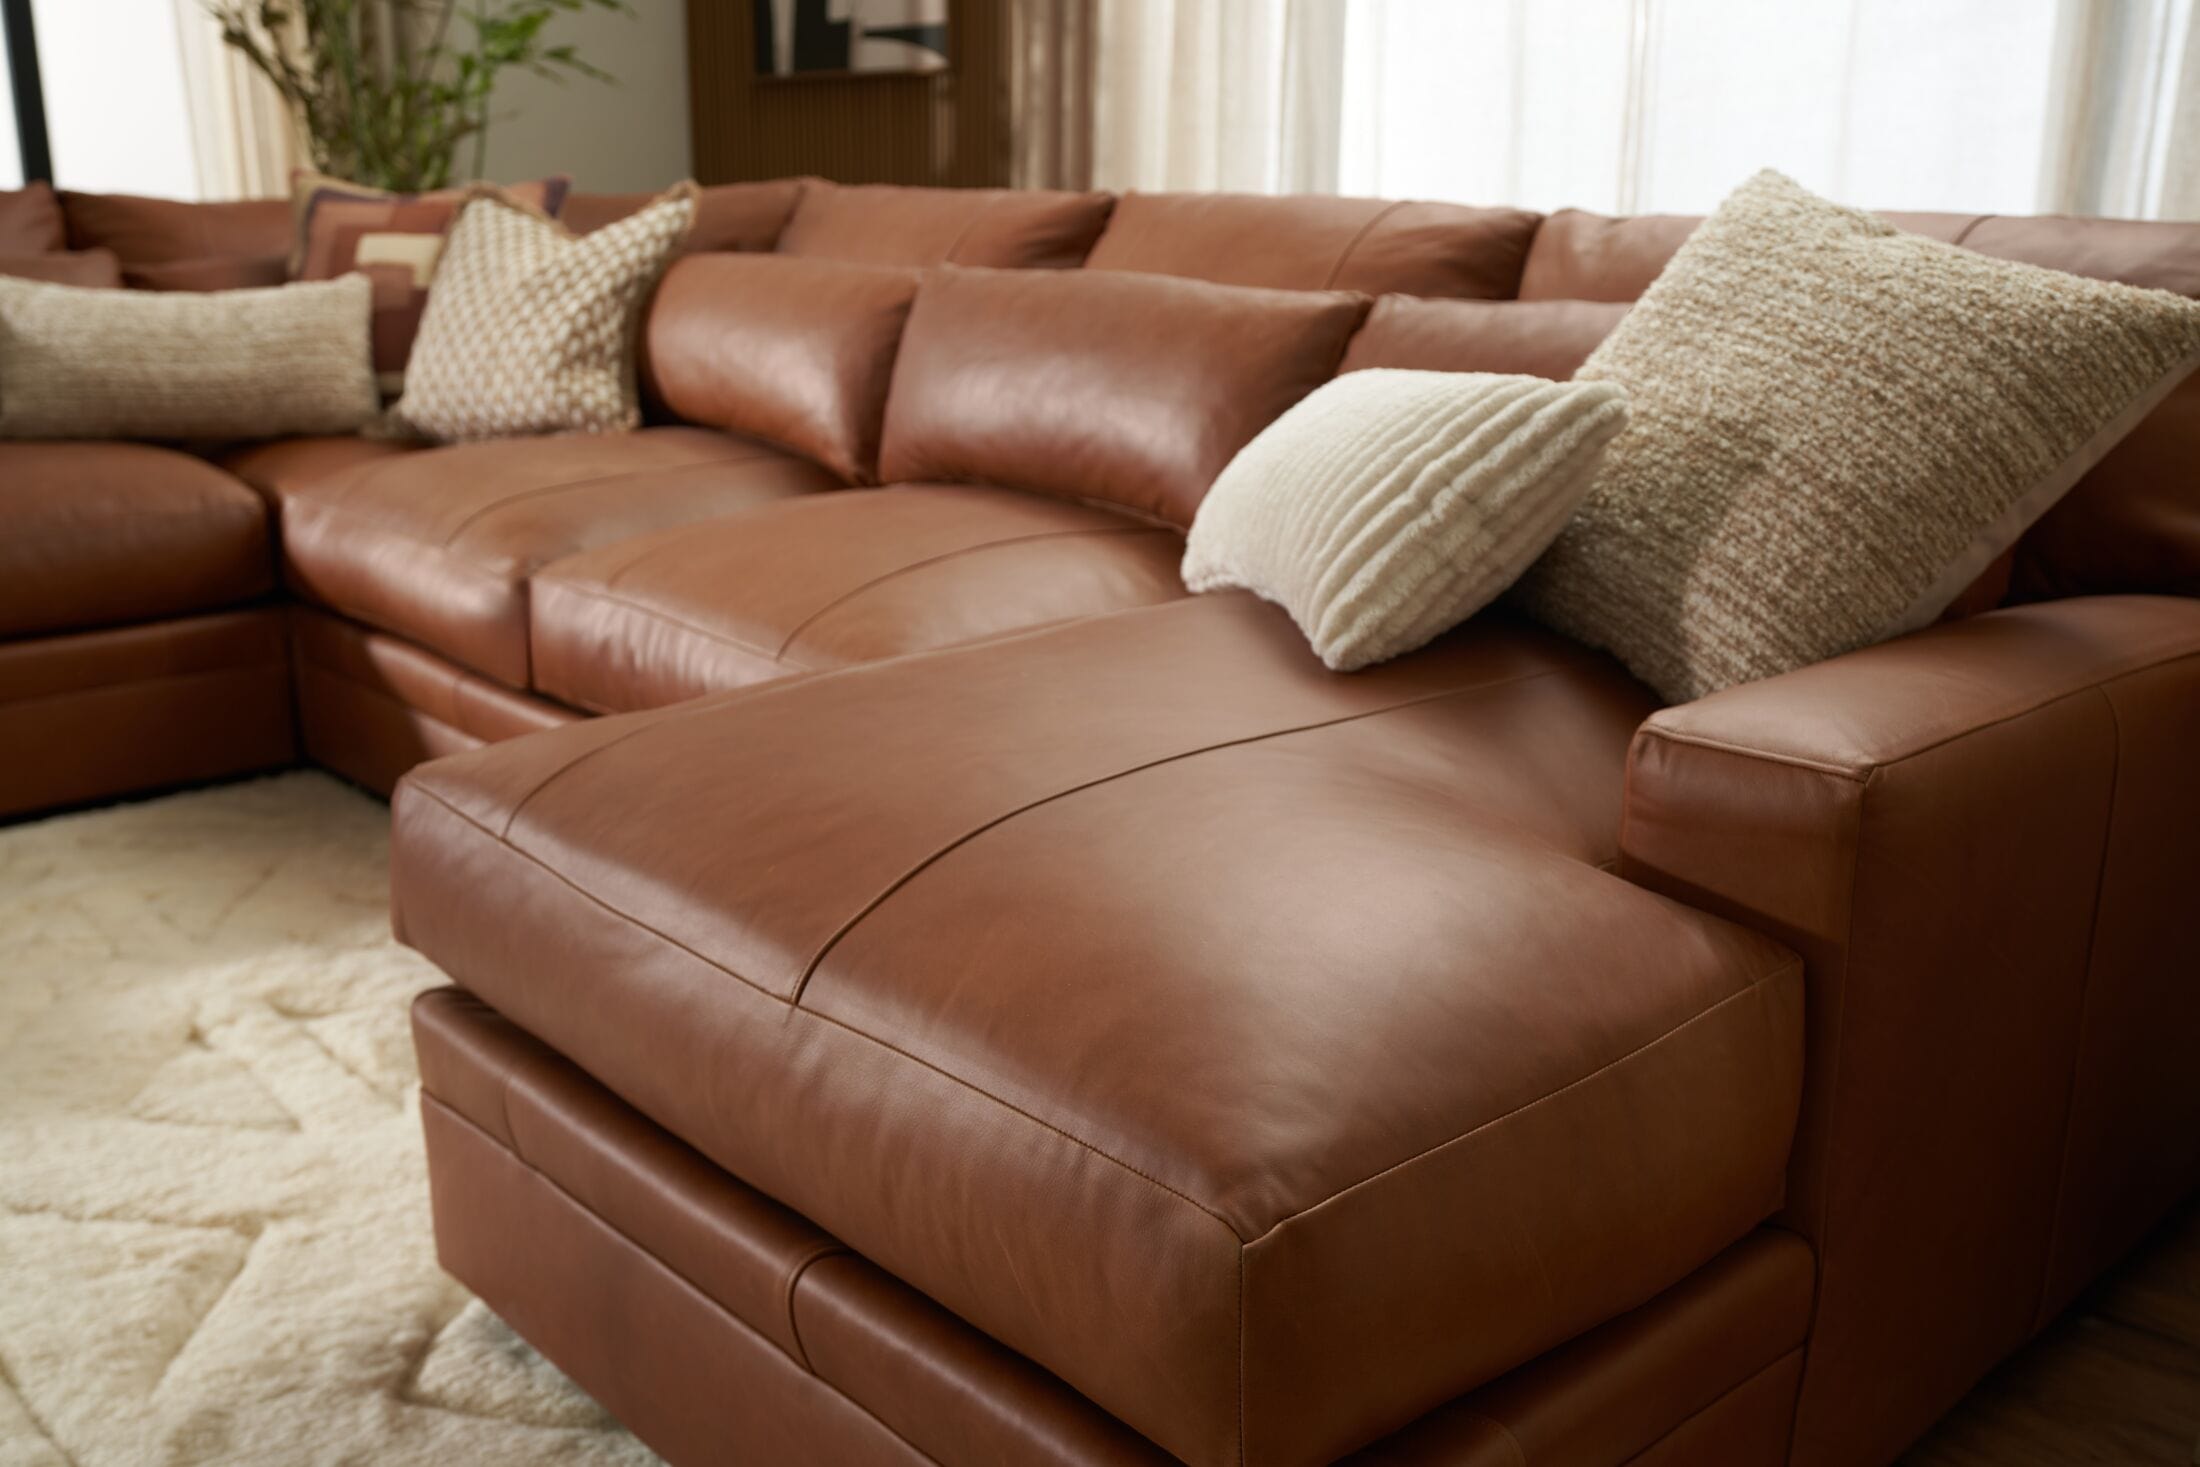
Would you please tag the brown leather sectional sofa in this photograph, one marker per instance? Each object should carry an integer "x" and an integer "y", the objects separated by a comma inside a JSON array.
[{"x": 971, "y": 1002}]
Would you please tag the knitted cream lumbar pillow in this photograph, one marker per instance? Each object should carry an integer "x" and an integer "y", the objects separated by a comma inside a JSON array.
[
  {"x": 529, "y": 329},
  {"x": 1388, "y": 506},
  {"x": 1836, "y": 428},
  {"x": 86, "y": 363}
]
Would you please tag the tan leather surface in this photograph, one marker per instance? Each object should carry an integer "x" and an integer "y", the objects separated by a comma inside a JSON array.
[
  {"x": 1947, "y": 827},
  {"x": 87, "y": 269},
  {"x": 1579, "y": 255},
  {"x": 210, "y": 272},
  {"x": 371, "y": 706},
  {"x": 437, "y": 545},
  {"x": 1318, "y": 242},
  {"x": 1624, "y": 1388},
  {"x": 1098, "y": 1134},
  {"x": 728, "y": 216},
  {"x": 1747, "y": 1427},
  {"x": 689, "y": 1378},
  {"x": 831, "y": 580},
  {"x": 1539, "y": 338},
  {"x": 882, "y": 224},
  {"x": 1132, "y": 389},
  {"x": 101, "y": 533},
  {"x": 795, "y": 352},
  {"x": 91, "y": 715},
  {"x": 279, "y": 467},
  {"x": 30, "y": 221},
  {"x": 145, "y": 231}
]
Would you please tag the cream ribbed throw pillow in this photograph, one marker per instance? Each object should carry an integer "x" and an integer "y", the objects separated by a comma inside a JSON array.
[
  {"x": 529, "y": 329},
  {"x": 1388, "y": 506},
  {"x": 85, "y": 363},
  {"x": 1836, "y": 428}
]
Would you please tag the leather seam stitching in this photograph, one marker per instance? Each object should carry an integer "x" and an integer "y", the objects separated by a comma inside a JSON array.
[
  {"x": 1359, "y": 237},
  {"x": 604, "y": 594},
  {"x": 674, "y": 942},
  {"x": 816, "y": 1252},
  {"x": 547, "y": 491},
  {"x": 960, "y": 552},
  {"x": 1752, "y": 988},
  {"x": 925, "y": 862}
]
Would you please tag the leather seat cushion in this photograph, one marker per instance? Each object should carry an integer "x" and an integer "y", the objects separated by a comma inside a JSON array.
[
  {"x": 103, "y": 533},
  {"x": 280, "y": 467},
  {"x": 437, "y": 545},
  {"x": 829, "y": 580},
  {"x": 1263, "y": 1051}
]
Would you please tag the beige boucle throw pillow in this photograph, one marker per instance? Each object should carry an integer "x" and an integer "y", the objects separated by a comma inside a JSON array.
[
  {"x": 530, "y": 329},
  {"x": 1387, "y": 506},
  {"x": 83, "y": 363},
  {"x": 1836, "y": 427}
]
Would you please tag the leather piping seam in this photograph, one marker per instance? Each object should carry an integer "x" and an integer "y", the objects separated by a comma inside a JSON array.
[
  {"x": 924, "y": 863},
  {"x": 1751, "y": 989},
  {"x": 718, "y": 967},
  {"x": 701, "y": 1293},
  {"x": 605, "y": 594},
  {"x": 549, "y": 491},
  {"x": 959, "y": 552},
  {"x": 1690, "y": 1419},
  {"x": 817, "y": 1251},
  {"x": 1359, "y": 237},
  {"x": 2085, "y": 1011},
  {"x": 962, "y": 235},
  {"x": 647, "y": 546}
]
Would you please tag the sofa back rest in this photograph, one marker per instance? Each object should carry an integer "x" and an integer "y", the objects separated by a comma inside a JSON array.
[
  {"x": 797, "y": 352},
  {"x": 30, "y": 221},
  {"x": 1318, "y": 242},
  {"x": 2130, "y": 525},
  {"x": 883, "y": 224},
  {"x": 167, "y": 244},
  {"x": 1530, "y": 338},
  {"x": 728, "y": 216},
  {"x": 1131, "y": 389}
]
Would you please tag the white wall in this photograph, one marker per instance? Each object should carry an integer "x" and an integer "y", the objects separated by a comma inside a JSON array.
[{"x": 612, "y": 139}]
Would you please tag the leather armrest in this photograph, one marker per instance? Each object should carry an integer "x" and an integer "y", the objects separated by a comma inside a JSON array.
[{"x": 1984, "y": 840}]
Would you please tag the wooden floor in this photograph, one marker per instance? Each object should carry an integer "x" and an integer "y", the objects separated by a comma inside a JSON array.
[{"x": 2114, "y": 1382}]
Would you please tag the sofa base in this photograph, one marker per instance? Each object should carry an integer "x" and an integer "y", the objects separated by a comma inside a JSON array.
[
  {"x": 371, "y": 706},
  {"x": 125, "y": 710},
  {"x": 722, "y": 1328}
]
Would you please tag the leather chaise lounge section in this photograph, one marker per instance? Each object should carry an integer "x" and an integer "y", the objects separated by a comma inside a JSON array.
[{"x": 970, "y": 1002}]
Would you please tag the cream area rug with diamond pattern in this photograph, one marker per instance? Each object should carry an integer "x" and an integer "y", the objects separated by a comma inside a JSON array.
[{"x": 214, "y": 1234}]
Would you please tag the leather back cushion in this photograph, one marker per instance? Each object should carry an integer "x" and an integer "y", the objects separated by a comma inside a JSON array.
[
  {"x": 728, "y": 216},
  {"x": 30, "y": 221},
  {"x": 215, "y": 272},
  {"x": 1316, "y": 242},
  {"x": 797, "y": 352},
  {"x": 1533, "y": 338},
  {"x": 881, "y": 224},
  {"x": 94, "y": 268},
  {"x": 163, "y": 231},
  {"x": 2130, "y": 525},
  {"x": 1131, "y": 389}
]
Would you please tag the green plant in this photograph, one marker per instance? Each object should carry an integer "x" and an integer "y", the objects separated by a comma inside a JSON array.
[{"x": 385, "y": 91}]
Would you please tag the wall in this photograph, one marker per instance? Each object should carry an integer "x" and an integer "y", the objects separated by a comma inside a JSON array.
[
  {"x": 614, "y": 139},
  {"x": 950, "y": 127}
]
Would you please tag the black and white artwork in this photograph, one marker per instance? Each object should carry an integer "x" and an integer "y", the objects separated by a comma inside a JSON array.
[{"x": 800, "y": 37}]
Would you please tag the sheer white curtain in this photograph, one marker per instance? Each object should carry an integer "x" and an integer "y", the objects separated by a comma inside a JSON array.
[
  {"x": 243, "y": 140},
  {"x": 2013, "y": 106}
]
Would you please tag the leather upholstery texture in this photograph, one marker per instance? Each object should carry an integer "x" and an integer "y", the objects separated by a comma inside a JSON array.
[
  {"x": 728, "y": 216},
  {"x": 831, "y": 580},
  {"x": 797, "y": 352},
  {"x": 279, "y": 467},
  {"x": 1968, "y": 835},
  {"x": 437, "y": 546},
  {"x": 1007, "y": 229},
  {"x": 88, "y": 269},
  {"x": 1131, "y": 389},
  {"x": 1535, "y": 338},
  {"x": 96, "y": 534},
  {"x": 1316, "y": 242},
  {"x": 143, "y": 231},
  {"x": 1252, "y": 1210},
  {"x": 1634, "y": 1384},
  {"x": 30, "y": 221},
  {"x": 90, "y": 715}
]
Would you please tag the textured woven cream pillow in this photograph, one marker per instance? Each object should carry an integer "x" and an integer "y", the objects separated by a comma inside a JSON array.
[
  {"x": 81, "y": 363},
  {"x": 1387, "y": 506},
  {"x": 1836, "y": 428},
  {"x": 532, "y": 330}
]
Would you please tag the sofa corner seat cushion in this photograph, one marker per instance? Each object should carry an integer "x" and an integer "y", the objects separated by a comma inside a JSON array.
[
  {"x": 997, "y": 228},
  {"x": 98, "y": 534},
  {"x": 1134, "y": 390},
  {"x": 1320, "y": 242},
  {"x": 1261, "y": 1051},
  {"x": 437, "y": 545},
  {"x": 830, "y": 580}
]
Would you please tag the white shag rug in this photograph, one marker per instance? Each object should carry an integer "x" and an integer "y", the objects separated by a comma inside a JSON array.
[{"x": 214, "y": 1233}]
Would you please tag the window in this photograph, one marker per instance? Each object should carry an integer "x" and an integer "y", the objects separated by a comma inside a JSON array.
[{"x": 115, "y": 107}]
